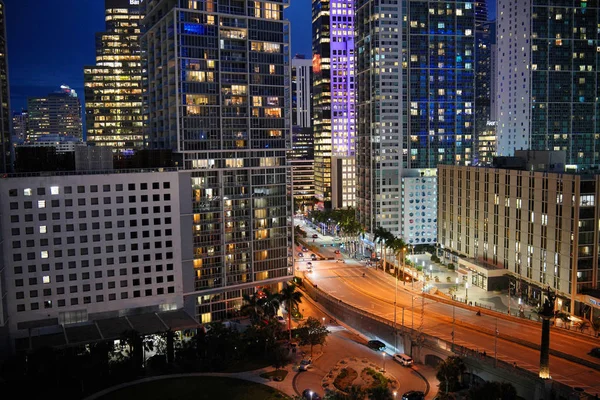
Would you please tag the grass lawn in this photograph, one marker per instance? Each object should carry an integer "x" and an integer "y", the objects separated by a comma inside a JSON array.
[
  {"x": 282, "y": 373},
  {"x": 249, "y": 364},
  {"x": 196, "y": 388}
]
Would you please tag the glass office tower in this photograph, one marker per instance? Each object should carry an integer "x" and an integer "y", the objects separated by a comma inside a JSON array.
[
  {"x": 415, "y": 97},
  {"x": 113, "y": 87},
  {"x": 218, "y": 95},
  {"x": 334, "y": 100},
  {"x": 548, "y": 78}
]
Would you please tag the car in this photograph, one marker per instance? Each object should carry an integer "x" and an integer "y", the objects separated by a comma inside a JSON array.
[
  {"x": 340, "y": 260},
  {"x": 304, "y": 249},
  {"x": 376, "y": 345},
  {"x": 304, "y": 367},
  {"x": 310, "y": 395},
  {"x": 281, "y": 319},
  {"x": 313, "y": 257},
  {"x": 337, "y": 252},
  {"x": 403, "y": 359},
  {"x": 306, "y": 361},
  {"x": 413, "y": 395},
  {"x": 595, "y": 352},
  {"x": 309, "y": 264},
  {"x": 300, "y": 255},
  {"x": 315, "y": 236}
]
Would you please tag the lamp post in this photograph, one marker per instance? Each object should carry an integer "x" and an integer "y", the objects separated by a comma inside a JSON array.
[
  {"x": 323, "y": 320},
  {"x": 395, "y": 394},
  {"x": 310, "y": 394},
  {"x": 383, "y": 355},
  {"x": 466, "y": 292},
  {"x": 395, "y": 310},
  {"x": 412, "y": 314}
]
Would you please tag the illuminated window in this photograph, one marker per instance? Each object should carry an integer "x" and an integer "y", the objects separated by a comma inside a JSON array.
[
  {"x": 44, "y": 254},
  {"x": 46, "y": 279},
  {"x": 41, "y": 203},
  {"x": 27, "y": 192},
  {"x": 54, "y": 190},
  {"x": 43, "y": 229}
]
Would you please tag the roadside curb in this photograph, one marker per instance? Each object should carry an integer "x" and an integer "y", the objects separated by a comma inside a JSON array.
[{"x": 427, "y": 386}]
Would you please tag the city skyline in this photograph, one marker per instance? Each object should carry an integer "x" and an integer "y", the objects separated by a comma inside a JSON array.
[{"x": 29, "y": 20}]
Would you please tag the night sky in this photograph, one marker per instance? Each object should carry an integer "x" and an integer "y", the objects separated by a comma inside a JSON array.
[{"x": 50, "y": 41}]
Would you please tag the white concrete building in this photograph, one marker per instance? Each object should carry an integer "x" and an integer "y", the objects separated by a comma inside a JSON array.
[
  {"x": 78, "y": 248},
  {"x": 419, "y": 211}
]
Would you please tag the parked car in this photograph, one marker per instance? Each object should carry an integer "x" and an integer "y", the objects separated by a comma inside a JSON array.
[
  {"x": 313, "y": 257},
  {"x": 341, "y": 260},
  {"x": 403, "y": 359},
  {"x": 300, "y": 255},
  {"x": 304, "y": 249},
  {"x": 337, "y": 252},
  {"x": 310, "y": 395},
  {"x": 306, "y": 361},
  {"x": 304, "y": 367},
  {"x": 595, "y": 352},
  {"x": 309, "y": 264},
  {"x": 315, "y": 236},
  {"x": 413, "y": 395},
  {"x": 376, "y": 345}
]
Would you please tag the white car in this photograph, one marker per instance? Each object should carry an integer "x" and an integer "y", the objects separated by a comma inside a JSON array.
[{"x": 340, "y": 260}]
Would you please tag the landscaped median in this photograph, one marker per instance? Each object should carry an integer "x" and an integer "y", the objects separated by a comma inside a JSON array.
[{"x": 193, "y": 388}]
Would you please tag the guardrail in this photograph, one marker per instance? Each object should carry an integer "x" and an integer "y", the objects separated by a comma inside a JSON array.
[{"x": 367, "y": 322}]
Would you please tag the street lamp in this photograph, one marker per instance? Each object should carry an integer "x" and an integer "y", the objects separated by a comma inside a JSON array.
[
  {"x": 395, "y": 311},
  {"x": 395, "y": 394},
  {"x": 466, "y": 292},
  {"x": 323, "y": 320},
  {"x": 310, "y": 393},
  {"x": 383, "y": 355}
]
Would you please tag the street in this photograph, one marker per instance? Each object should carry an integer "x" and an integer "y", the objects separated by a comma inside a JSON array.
[{"x": 375, "y": 293}]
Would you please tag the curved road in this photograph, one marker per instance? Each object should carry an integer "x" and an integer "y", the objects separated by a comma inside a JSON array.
[{"x": 375, "y": 294}]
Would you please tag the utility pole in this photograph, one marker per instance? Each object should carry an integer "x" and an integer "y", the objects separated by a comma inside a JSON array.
[
  {"x": 395, "y": 310},
  {"x": 453, "y": 328},
  {"x": 412, "y": 315},
  {"x": 403, "y": 328},
  {"x": 496, "y": 346}
]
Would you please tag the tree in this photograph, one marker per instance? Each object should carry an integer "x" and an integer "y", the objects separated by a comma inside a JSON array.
[
  {"x": 493, "y": 390},
  {"x": 449, "y": 373},
  {"x": 133, "y": 346},
  {"x": 383, "y": 237},
  {"x": 292, "y": 298},
  {"x": 252, "y": 307},
  {"x": 596, "y": 326},
  {"x": 270, "y": 303},
  {"x": 312, "y": 333},
  {"x": 380, "y": 392},
  {"x": 279, "y": 357},
  {"x": 399, "y": 247},
  {"x": 355, "y": 392}
]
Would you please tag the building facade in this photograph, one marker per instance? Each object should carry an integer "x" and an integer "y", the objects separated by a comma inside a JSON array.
[
  {"x": 334, "y": 97},
  {"x": 415, "y": 98},
  {"x": 86, "y": 246},
  {"x": 58, "y": 113},
  {"x": 419, "y": 214},
  {"x": 547, "y": 69},
  {"x": 486, "y": 144},
  {"x": 538, "y": 227},
  {"x": 218, "y": 94},
  {"x": 301, "y": 92},
  {"x": 113, "y": 87},
  {"x": 5, "y": 148},
  {"x": 484, "y": 38},
  {"x": 20, "y": 122}
]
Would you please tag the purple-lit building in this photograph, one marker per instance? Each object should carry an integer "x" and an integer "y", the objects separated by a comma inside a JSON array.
[{"x": 334, "y": 101}]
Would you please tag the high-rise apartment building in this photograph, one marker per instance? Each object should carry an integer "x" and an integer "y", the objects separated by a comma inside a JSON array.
[
  {"x": 415, "y": 98},
  {"x": 5, "y": 148},
  {"x": 547, "y": 78},
  {"x": 484, "y": 37},
  {"x": 113, "y": 87},
  {"x": 334, "y": 100},
  {"x": 301, "y": 156},
  {"x": 301, "y": 92},
  {"x": 537, "y": 227},
  {"x": 58, "y": 113},
  {"x": 218, "y": 94}
]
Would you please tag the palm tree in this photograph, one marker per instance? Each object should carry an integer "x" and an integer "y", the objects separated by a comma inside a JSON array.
[
  {"x": 385, "y": 239},
  {"x": 252, "y": 307},
  {"x": 399, "y": 247},
  {"x": 292, "y": 298},
  {"x": 449, "y": 373},
  {"x": 596, "y": 326},
  {"x": 270, "y": 303}
]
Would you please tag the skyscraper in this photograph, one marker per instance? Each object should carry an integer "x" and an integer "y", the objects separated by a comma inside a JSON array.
[
  {"x": 415, "y": 102},
  {"x": 334, "y": 100},
  {"x": 484, "y": 37},
  {"x": 548, "y": 78},
  {"x": 218, "y": 95},
  {"x": 20, "y": 122},
  {"x": 301, "y": 92},
  {"x": 113, "y": 87},
  {"x": 301, "y": 156},
  {"x": 5, "y": 149},
  {"x": 58, "y": 113}
]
